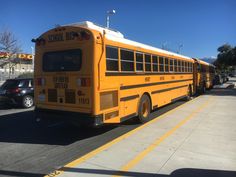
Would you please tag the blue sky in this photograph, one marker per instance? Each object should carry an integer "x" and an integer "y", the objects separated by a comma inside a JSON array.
[{"x": 200, "y": 25}]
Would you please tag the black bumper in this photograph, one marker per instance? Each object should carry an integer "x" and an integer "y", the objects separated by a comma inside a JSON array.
[{"x": 67, "y": 116}]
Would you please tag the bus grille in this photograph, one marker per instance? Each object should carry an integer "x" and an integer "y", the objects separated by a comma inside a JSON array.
[
  {"x": 70, "y": 96},
  {"x": 52, "y": 95}
]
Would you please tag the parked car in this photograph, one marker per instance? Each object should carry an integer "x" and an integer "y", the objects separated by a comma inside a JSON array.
[
  {"x": 224, "y": 77},
  {"x": 217, "y": 79},
  {"x": 18, "y": 92}
]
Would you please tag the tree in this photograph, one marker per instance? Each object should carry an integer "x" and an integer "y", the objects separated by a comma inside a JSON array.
[
  {"x": 10, "y": 46},
  {"x": 226, "y": 56},
  {"x": 224, "y": 48}
]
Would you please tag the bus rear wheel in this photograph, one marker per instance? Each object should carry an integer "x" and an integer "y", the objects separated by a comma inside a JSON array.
[{"x": 144, "y": 109}]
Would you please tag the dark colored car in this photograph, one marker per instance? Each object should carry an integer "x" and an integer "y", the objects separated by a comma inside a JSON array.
[
  {"x": 17, "y": 91},
  {"x": 224, "y": 77},
  {"x": 217, "y": 79}
]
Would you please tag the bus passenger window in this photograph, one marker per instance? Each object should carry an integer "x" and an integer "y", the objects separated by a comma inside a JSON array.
[
  {"x": 161, "y": 64},
  {"x": 179, "y": 66},
  {"x": 139, "y": 61},
  {"x": 182, "y": 66},
  {"x": 166, "y": 65},
  {"x": 154, "y": 64},
  {"x": 147, "y": 62},
  {"x": 185, "y": 66},
  {"x": 127, "y": 60},
  {"x": 171, "y": 65},
  {"x": 198, "y": 67},
  {"x": 175, "y": 65},
  {"x": 189, "y": 64},
  {"x": 112, "y": 58}
]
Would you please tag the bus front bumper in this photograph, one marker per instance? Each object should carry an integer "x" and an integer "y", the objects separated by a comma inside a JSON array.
[{"x": 76, "y": 118}]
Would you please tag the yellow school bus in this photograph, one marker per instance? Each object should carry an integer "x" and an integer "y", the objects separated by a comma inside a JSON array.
[
  {"x": 92, "y": 75},
  {"x": 204, "y": 74}
]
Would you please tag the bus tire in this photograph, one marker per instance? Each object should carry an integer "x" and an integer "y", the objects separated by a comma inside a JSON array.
[{"x": 144, "y": 109}]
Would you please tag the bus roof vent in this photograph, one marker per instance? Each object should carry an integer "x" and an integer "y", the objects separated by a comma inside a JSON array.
[{"x": 90, "y": 25}]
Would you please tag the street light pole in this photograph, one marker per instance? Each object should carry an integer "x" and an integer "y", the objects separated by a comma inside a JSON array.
[
  {"x": 32, "y": 52},
  {"x": 109, "y": 13}
]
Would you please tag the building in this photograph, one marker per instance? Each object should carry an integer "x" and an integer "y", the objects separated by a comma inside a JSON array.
[{"x": 12, "y": 67}]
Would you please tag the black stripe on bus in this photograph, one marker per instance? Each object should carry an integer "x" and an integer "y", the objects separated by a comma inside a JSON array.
[
  {"x": 129, "y": 98},
  {"x": 151, "y": 84},
  {"x": 165, "y": 90},
  {"x": 127, "y": 117},
  {"x": 140, "y": 73},
  {"x": 178, "y": 98}
]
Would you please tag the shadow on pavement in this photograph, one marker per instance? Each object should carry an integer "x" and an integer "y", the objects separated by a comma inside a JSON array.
[
  {"x": 22, "y": 128},
  {"x": 14, "y": 173},
  {"x": 184, "y": 172},
  {"x": 222, "y": 92}
]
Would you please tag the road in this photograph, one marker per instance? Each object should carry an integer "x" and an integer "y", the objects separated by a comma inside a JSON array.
[{"x": 28, "y": 149}]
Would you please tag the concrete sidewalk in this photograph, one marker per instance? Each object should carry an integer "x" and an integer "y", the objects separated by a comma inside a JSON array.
[{"x": 195, "y": 139}]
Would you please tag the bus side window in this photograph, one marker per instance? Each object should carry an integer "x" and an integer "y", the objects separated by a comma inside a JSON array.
[
  {"x": 171, "y": 65},
  {"x": 161, "y": 64},
  {"x": 111, "y": 58},
  {"x": 127, "y": 60},
  {"x": 147, "y": 62},
  {"x": 166, "y": 65},
  {"x": 175, "y": 65},
  {"x": 188, "y": 65},
  {"x": 139, "y": 61},
  {"x": 154, "y": 64},
  {"x": 198, "y": 67},
  {"x": 179, "y": 66}
]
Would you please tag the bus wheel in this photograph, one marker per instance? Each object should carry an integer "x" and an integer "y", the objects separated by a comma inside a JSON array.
[{"x": 144, "y": 109}]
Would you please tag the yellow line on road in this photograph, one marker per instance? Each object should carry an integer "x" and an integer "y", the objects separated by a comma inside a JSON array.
[
  {"x": 150, "y": 148},
  {"x": 109, "y": 144}
]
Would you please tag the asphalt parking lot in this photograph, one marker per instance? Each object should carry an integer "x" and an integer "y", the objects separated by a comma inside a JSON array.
[{"x": 29, "y": 149}]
